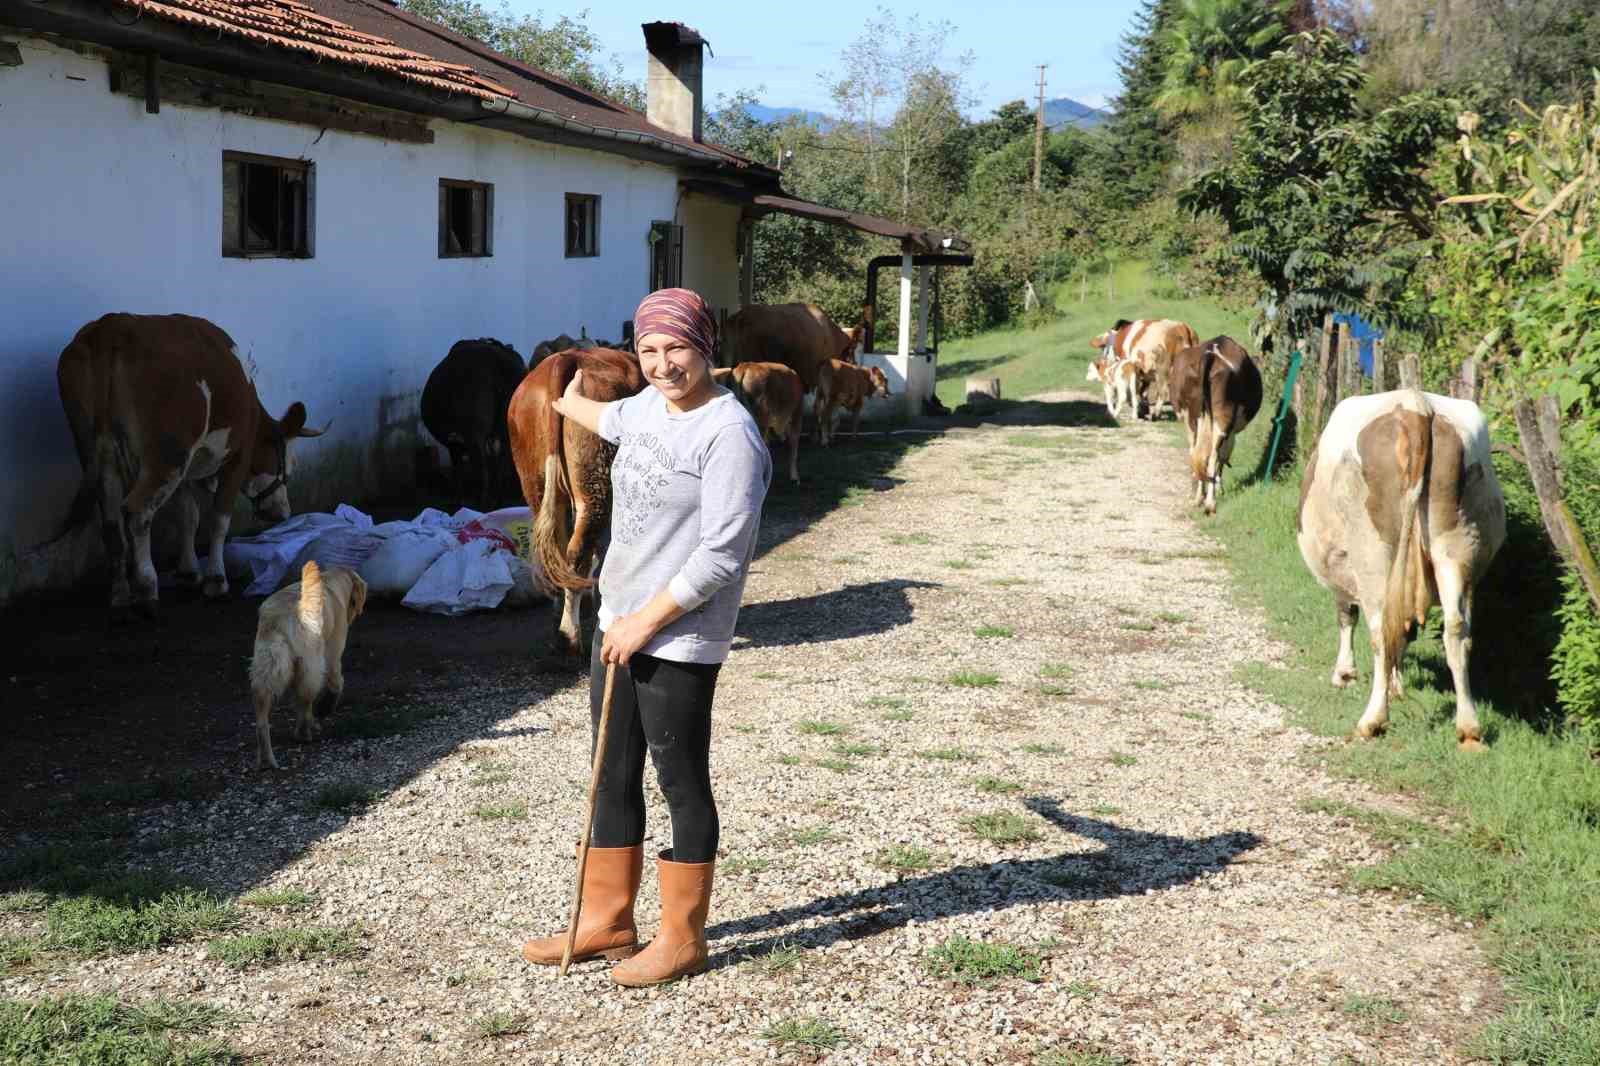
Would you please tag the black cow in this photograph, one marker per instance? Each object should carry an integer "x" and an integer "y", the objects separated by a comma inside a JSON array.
[{"x": 464, "y": 407}]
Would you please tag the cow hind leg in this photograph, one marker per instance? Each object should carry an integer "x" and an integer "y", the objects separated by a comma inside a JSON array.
[
  {"x": 188, "y": 504},
  {"x": 139, "y": 512},
  {"x": 1455, "y": 596},
  {"x": 215, "y": 582},
  {"x": 1214, "y": 466},
  {"x": 794, "y": 449},
  {"x": 1344, "y": 668},
  {"x": 1375, "y": 719}
]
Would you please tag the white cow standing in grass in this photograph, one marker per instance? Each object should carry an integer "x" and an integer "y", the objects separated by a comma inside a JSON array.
[{"x": 1400, "y": 509}]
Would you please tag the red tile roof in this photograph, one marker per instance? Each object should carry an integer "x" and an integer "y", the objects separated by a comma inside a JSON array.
[
  {"x": 377, "y": 35},
  {"x": 295, "y": 26}
]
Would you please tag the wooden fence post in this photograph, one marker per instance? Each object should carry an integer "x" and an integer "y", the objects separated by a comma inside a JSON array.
[
  {"x": 1349, "y": 367},
  {"x": 1541, "y": 443},
  {"x": 1327, "y": 383},
  {"x": 1410, "y": 372},
  {"x": 1467, "y": 387},
  {"x": 1380, "y": 368}
]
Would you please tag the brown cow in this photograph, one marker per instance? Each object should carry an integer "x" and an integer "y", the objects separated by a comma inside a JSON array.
[
  {"x": 800, "y": 336},
  {"x": 1399, "y": 508},
  {"x": 159, "y": 405},
  {"x": 1216, "y": 390},
  {"x": 844, "y": 386},
  {"x": 1151, "y": 344},
  {"x": 775, "y": 398},
  {"x": 566, "y": 471}
]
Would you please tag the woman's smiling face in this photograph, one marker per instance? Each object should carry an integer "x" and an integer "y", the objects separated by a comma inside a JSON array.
[{"x": 679, "y": 371}]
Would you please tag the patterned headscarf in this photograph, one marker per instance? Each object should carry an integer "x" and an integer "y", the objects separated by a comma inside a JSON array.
[{"x": 678, "y": 313}]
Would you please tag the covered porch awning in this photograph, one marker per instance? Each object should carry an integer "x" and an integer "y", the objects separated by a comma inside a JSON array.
[{"x": 910, "y": 368}]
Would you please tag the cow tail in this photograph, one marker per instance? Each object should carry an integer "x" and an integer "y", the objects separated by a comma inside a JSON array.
[
  {"x": 1401, "y": 602},
  {"x": 1200, "y": 455},
  {"x": 312, "y": 594},
  {"x": 552, "y": 526},
  {"x": 76, "y": 383}
]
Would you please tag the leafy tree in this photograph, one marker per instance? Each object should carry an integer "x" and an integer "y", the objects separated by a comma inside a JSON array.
[
  {"x": 1139, "y": 136},
  {"x": 566, "y": 47},
  {"x": 900, "y": 71},
  {"x": 1324, "y": 201},
  {"x": 1209, "y": 43}
]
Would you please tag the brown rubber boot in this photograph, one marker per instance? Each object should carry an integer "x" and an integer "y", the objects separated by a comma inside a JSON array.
[
  {"x": 605, "y": 921},
  {"x": 679, "y": 948}
]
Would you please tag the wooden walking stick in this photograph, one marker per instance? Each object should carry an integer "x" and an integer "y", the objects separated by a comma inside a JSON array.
[{"x": 588, "y": 821}]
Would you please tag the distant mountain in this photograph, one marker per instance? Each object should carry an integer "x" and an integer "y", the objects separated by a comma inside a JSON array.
[
  {"x": 763, "y": 113},
  {"x": 1062, "y": 111}
]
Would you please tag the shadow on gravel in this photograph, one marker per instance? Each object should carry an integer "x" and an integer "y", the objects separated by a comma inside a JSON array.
[
  {"x": 843, "y": 614},
  {"x": 1129, "y": 863}
]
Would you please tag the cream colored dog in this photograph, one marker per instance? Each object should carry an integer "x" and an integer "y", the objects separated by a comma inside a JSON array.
[{"x": 299, "y": 645}]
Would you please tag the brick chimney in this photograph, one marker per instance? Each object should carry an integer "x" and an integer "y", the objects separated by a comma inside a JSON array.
[{"x": 675, "y": 100}]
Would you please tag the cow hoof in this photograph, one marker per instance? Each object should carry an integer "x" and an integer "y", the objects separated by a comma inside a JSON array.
[
  {"x": 1473, "y": 744},
  {"x": 1342, "y": 678},
  {"x": 215, "y": 588},
  {"x": 1369, "y": 732},
  {"x": 147, "y": 610}
]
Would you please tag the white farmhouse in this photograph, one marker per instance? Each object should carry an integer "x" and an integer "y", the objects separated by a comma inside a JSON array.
[{"x": 347, "y": 189}]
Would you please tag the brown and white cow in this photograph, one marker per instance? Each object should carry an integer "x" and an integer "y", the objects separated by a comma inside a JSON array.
[
  {"x": 160, "y": 407},
  {"x": 1151, "y": 344},
  {"x": 1121, "y": 380},
  {"x": 775, "y": 398},
  {"x": 566, "y": 471},
  {"x": 843, "y": 386},
  {"x": 800, "y": 336},
  {"x": 1216, "y": 391},
  {"x": 1400, "y": 509}
]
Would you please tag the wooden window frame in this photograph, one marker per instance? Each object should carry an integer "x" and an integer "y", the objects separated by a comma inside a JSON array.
[
  {"x": 592, "y": 201},
  {"x": 666, "y": 251},
  {"x": 484, "y": 242},
  {"x": 294, "y": 238}
]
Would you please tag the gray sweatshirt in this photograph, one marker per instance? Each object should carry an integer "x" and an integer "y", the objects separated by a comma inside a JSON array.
[{"x": 686, "y": 504}]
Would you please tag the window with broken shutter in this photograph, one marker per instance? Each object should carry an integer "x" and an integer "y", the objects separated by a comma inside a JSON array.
[
  {"x": 466, "y": 219},
  {"x": 266, "y": 206}
]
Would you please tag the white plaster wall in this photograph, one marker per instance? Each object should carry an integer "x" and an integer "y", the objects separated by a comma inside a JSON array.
[
  {"x": 711, "y": 250},
  {"x": 107, "y": 208}
]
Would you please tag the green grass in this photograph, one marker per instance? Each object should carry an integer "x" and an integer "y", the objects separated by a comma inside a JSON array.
[
  {"x": 373, "y": 723},
  {"x": 837, "y": 765},
  {"x": 782, "y": 957},
  {"x": 137, "y": 913},
  {"x": 102, "y": 1030},
  {"x": 1104, "y": 810},
  {"x": 1172, "y": 617},
  {"x": 970, "y": 962},
  {"x": 346, "y": 797},
  {"x": 1081, "y": 1057},
  {"x": 1055, "y": 670},
  {"x": 1043, "y": 749},
  {"x": 904, "y": 539},
  {"x": 17, "y": 951},
  {"x": 503, "y": 812},
  {"x": 1001, "y": 827},
  {"x": 168, "y": 788},
  {"x": 496, "y": 1024},
  {"x": 1054, "y": 691},
  {"x": 994, "y": 631},
  {"x": 997, "y": 785},
  {"x": 1373, "y": 1008},
  {"x": 1056, "y": 356},
  {"x": 1520, "y": 851},
  {"x": 1122, "y": 759},
  {"x": 821, "y": 728},
  {"x": 974, "y": 679},
  {"x": 738, "y": 865},
  {"x": 959, "y": 564},
  {"x": 22, "y": 902},
  {"x": 284, "y": 945},
  {"x": 905, "y": 858},
  {"x": 813, "y": 1034},
  {"x": 789, "y": 760},
  {"x": 901, "y": 715},
  {"x": 856, "y": 748},
  {"x": 288, "y": 899},
  {"x": 817, "y": 834}
]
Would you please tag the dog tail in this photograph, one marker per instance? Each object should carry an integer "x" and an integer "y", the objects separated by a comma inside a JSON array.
[{"x": 312, "y": 593}]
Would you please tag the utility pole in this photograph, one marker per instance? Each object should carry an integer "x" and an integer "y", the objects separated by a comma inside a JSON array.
[{"x": 1038, "y": 134}]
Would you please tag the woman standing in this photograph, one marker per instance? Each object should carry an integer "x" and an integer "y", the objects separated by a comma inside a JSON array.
[{"x": 689, "y": 477}]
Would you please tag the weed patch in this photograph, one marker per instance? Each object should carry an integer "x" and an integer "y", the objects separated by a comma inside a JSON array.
[
  {"x": 285, "y": 945},
  {"x": 972, "y": 963},
  {"x": 1001, "y": 827}
]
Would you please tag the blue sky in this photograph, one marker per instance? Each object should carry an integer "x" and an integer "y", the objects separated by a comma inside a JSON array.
[{"x": 786, "y": 47}]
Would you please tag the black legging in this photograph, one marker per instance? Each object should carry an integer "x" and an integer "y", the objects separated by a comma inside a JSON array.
[{"x": 667, "y": 706}]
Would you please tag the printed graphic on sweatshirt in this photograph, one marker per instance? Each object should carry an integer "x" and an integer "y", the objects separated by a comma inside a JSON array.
[{"x": 639, "y": 478}]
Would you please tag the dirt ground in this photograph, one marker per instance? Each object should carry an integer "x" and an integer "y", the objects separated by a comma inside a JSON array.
[{"x": 978, "y": 695}]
